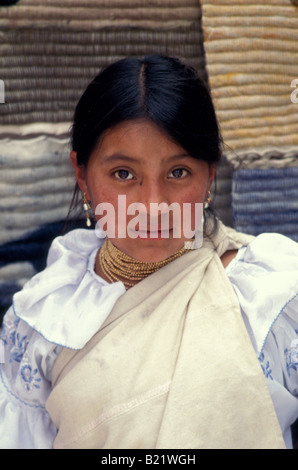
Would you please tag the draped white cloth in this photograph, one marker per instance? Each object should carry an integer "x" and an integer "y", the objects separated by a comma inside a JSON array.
[{"x": 66, "y": 304}]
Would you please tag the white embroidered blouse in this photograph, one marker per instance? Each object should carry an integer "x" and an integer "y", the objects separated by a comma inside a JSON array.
[{"x": 64, "y": 305}]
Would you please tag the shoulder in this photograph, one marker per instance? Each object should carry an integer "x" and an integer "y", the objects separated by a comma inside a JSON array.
[
  {"x": 78, "y": 242},
  {"x": 273, "y": 250},
  {"x": 67, "y": 262},
  {"x": 267, "y": 253},
  {"x": 62, "y": 302},
  {"x": 264, "y": 275},
  {"x": 227, "y": 257}
]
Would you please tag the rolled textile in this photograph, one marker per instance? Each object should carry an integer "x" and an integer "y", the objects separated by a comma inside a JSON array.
[
  {"x": 100, "y": 13},
  {"x": 266, "y": 200},
  {"x": 36, "y": 184},
  {"x": 251, "y": 58},
  {"x": 50, "y": 50},
  {"x": 221, "y": 192},
  {"x": 268, "y": 158}
]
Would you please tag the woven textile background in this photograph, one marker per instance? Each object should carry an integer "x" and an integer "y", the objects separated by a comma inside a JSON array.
[
  {"x": 49, "y": 52},
  {"x": 252, "y": 59},
  {"x": 266, "y": 200}
]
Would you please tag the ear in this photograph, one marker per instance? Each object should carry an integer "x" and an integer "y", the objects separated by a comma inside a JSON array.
[
  {"x": 80, "y": 173},
  {"x": 212, "y": 171}
]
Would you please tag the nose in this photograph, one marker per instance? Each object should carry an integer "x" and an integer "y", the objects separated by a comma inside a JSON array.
[
  {"x": 153, "y": 200},
  {"x": 152, "y": 191}
]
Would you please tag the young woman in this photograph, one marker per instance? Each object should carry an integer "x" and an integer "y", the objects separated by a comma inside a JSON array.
[{"x": 139, "y": 337}]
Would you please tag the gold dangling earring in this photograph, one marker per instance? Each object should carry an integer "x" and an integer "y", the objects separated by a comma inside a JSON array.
[
  {"x": 87, "y": 209},
  {"x": 208, "y": 200}
]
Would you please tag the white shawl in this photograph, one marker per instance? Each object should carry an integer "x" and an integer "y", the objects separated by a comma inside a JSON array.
[{"x": 172, "y": 367}]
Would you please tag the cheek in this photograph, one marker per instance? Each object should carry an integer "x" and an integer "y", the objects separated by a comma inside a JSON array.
[
  {"x": 100, "y": 191},
  {"x": 191, "y": 195},
  {"x": 191, "y": 216},
  {"x": 108, "y": 204},
  {"x": 191, "y": 206}
]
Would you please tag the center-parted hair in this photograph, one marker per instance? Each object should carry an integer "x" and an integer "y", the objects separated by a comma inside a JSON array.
[{"x": 158, "y": 88}]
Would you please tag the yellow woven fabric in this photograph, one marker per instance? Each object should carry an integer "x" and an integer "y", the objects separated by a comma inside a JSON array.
[{"x": 252, "y": 59}]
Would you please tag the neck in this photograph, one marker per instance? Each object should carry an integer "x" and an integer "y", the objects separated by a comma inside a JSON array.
[{"x": 115, "y": 265}]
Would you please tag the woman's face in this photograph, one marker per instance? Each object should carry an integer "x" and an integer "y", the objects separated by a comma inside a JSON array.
[{"x": 138, "y": 162}]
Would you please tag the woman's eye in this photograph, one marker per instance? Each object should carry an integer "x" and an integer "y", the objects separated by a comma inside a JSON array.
[
  {"x": 178, "y": 173},
  {"x": 123, "y": 175}
]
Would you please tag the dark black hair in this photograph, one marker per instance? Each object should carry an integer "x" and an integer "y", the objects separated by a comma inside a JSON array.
[
  {"x": 161, "y": 89},
  {"x": 158, "y": 88}
]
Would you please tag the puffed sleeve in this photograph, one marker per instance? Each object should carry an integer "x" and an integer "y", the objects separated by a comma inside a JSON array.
[
  {"x": 279, "y": 361},
  {"x": 58, "y": 307},
  {"x": 264, "y": 276},
  {"x": 25, "y": 371}
]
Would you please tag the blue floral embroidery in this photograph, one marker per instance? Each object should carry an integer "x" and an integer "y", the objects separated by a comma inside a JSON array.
[
  {"x": 9, "y": 332},
  {"x": 265, "y": 367},
  {"x": 19, "y": 347},
  {"x": 29, "y": 377},
  {"x": 291, "y": 356},
  {"x": 17, "y": 342}
]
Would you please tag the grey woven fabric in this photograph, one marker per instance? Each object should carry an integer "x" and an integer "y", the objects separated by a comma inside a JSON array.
[
  {"x": 49, "y": 50},
  {"x": 266, "y": 200}
]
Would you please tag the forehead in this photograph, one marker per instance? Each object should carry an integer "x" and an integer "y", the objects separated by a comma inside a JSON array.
[{"x": 137, "y": 138}]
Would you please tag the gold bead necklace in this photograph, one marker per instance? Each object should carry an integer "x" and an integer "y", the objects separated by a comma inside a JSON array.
[{"x": 117, "y": 265}]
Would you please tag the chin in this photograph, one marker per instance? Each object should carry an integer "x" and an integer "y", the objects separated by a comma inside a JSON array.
[{"x": 154, "y": 250}]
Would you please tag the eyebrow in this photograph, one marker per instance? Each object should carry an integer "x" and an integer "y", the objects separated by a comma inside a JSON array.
[{"x": 116, "y": 157}]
